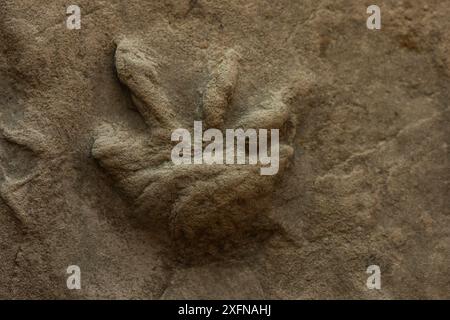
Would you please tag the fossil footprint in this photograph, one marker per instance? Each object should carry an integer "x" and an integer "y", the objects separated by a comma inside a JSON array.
[{"x": 205, "y": 207}]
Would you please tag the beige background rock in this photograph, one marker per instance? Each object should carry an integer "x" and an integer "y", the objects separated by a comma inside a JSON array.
[{"x": 368, "y": 183}]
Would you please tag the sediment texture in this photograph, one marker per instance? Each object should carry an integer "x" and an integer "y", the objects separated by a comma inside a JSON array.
[{"x": 85, "y": 170}]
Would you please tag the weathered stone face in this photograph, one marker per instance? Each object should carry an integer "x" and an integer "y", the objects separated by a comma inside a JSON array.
[{"x": 86, "y": 177}]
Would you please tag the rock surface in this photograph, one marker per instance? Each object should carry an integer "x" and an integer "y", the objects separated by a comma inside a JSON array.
[{"x": 365, "y": 181}]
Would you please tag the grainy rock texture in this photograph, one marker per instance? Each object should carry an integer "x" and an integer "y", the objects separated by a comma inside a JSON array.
[{"x": 85, "y": 172}]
